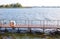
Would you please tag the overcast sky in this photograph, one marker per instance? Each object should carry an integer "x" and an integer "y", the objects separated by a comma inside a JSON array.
[{"x": 33, "y": 2}]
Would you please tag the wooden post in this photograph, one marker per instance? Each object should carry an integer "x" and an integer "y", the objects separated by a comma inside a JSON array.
[
  {"x": 43, "y": 25},
  {"x": 29, "y": 29},
  {"x": 57, "y": 25},
  {"x": 0, "y": 29},
  {"x": 25, "y": 21},
  {"x": 18, "y": 30},
  {"x": 5, "y": 29},
  {"x": 0, "y": 24}
]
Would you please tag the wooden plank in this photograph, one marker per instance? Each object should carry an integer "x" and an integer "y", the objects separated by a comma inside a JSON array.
[{"x": 30, "y": 26}]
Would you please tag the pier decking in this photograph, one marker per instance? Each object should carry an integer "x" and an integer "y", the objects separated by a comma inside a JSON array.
[
  {"x": 52, "y": 24},
  {"x": 30, "y": 26}
]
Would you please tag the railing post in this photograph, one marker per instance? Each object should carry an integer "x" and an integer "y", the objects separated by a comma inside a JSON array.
[
  {"x": 40, "y": 22},
  {"x": 28, "y": 23},
  {"x": 43, "y": 25},
  {"x": 57, "y": 23},
  {"x": 0, "y": 24},
  {"x": 25, "y": 22},
  {"x": 29, "y": 28}
]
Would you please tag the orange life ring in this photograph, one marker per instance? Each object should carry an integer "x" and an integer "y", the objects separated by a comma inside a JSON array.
[{"x": 12, "y": 24}]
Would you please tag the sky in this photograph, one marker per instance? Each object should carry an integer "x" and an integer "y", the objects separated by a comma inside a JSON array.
[{"x": 33, "y": 2}]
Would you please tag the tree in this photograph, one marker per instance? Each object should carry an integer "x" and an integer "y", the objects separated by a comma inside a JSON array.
[{"x": 17, "y": 5}]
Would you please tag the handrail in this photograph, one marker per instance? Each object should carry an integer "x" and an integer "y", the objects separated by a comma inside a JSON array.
[{"x": 44, "y": 23}]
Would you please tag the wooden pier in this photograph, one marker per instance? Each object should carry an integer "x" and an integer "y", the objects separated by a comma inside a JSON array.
[
  {"x": 29, "y": 24},
  {"x": 42, "y": 24}
]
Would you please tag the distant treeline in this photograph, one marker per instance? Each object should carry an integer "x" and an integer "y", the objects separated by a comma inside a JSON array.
[{"x": 17, "y": 5}]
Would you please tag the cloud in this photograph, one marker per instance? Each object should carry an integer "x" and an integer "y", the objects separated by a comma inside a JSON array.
[{"x": 33, "y": 2}]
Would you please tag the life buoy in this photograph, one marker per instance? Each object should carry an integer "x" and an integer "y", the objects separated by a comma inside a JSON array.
[{"x": 12, "y": 24}]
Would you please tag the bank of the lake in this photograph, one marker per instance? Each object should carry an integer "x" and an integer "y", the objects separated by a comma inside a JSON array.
[{"x": 27, "y": 36}]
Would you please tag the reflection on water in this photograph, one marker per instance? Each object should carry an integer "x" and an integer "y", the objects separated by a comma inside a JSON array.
[{"x": 25, "y": 36}]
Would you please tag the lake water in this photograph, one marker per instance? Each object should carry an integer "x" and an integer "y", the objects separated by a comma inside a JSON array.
[
  {"x": 21, "y": 14},
  {"x": 30, "y": 13}
]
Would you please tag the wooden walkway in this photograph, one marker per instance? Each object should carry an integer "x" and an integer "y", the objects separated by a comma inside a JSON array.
[
  {"x": 43, "y": 25},
  {"x": 30, "y": 26}
]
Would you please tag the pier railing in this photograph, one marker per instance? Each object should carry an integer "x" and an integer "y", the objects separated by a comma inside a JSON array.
[{"x": 48, "y": 24}]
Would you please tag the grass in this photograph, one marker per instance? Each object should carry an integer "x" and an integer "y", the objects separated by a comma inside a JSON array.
[{"x": 32, "y": 36}]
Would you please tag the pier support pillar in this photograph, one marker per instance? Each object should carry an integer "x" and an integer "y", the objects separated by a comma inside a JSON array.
[
  {"x": 6, "y": 30},
  {"x": 0, "y": 29},
  {"x": 43, "y": 25},
  {"x": 18, "y": 31},
  {"x": 13, "y": 30},
  {"x": 43, "y": 30},
  {"x": 29, "y": 30}
]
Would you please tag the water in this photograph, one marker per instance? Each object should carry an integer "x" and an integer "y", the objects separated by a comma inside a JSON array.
[
  {"x": 21, "y": 14},
  {"x": 30, "y": 13}
]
